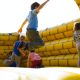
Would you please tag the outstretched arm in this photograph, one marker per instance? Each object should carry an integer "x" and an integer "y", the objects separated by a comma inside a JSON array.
[
  {"x": 41, "y": 6},
  {"x": 20, "y": 29}
]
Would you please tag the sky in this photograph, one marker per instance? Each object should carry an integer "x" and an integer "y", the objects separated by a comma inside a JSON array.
[{"x": 55, "y": 12}]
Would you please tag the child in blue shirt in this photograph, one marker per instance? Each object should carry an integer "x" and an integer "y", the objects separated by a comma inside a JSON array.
[
  {"x": 32, "y": 33},
  {"x": 18, "y": 51}
]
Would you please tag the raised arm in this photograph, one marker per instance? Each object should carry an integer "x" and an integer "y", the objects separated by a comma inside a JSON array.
[
  {"x": 41, "y": 6},
  {"x": 20, "y": 29}
]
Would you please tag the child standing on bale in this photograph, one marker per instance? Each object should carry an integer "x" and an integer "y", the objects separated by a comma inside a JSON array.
[
  {"x": 32, "y": 33},
  {"x": 77, "y": 40}
]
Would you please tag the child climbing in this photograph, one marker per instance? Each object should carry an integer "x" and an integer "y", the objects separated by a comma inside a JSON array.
[
  {"x": 76, "y": 37},
  {"x": 18, "y": 51},
  {"x": 32, "y": 33},
  {"x": 8, "y": 62}
]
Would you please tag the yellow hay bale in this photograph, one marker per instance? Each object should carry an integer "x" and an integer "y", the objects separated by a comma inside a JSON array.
[
  {"x": 76, "y": 56},
  {"x": 55, "y": 52},
  {"x": 78, "y": 20},
  {"x": 1, "y": 63},
  {"x": 26, "y": 39},
  {"x": 64, "y": 51},
  {"x": 51, "y": 58},
  {"x": 70, "y": 56},
  {"x": 70, "y": 39},
  {"x": 47, "y": 53},
  {"x": 13, "y": 38},
  {"x": 42, "y": 49},
  {"x": 68, "y": 34},
  {"x": 58, "y": 46},
  {"x": 67, "y": 45},
  {"x": 54, "y": 62},
  {"x": 73, "y": 50},
  {"x": 6, "y": 38},
  {"x": 6, "y": 47},
  {"x": 49, "y": 47},
  {"x": 61, "y": 57},
  {"x": 37, "y": 50},
  {"x": 40, "y": 33},
  {"x": 9, "y": 34},
  {"x": 70, "y": 25},
  {"x": 72, "y": 62},
  {"x": 59, "y": 36},
  {"x": 53, "y": 30},
  {"x": 1, "y": 42},
  {"x": 45, "y": 33},
  {"x": 3, "y": 56},
  {"x": 45, "y": 39},
  {"x": 4, "y": 51},
  {"x": 55, "y": 42},
  {"x": 45, "y": 62},
  {"x": 50, "y": 37},
  {"x": 48, "y": 43},
  {"x": 62, "y": 28},
  {"x": 74, "y": 44},
  {"x": 63, "y": 63},
  {"x": 63, "y": 40},
  {"x": 9, "y": 43}
]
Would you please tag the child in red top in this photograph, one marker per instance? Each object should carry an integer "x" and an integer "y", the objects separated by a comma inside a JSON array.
[{"x": 34, "y": 60}]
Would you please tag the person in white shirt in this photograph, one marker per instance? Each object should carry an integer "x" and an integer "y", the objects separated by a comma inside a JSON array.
[{"x": 76, "y": 37}]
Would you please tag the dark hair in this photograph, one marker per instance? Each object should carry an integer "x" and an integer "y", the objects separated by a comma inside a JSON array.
[
  {"x": 32, "y": 50},
  {"x": 10, "y": 53},
  {"x": 22, "y": 36},
  {"x": 35, "y": 4},
  {"x": 77, "y": 26}
]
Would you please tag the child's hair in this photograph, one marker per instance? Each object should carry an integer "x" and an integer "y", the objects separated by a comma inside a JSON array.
[
  {"x": 34, "y": 5},
  {"x": 22, "y": 36},
  {"x": 10, "y": 53},
  {"x": 32, "y": 50},
  {"x": 77, "y": 26}
]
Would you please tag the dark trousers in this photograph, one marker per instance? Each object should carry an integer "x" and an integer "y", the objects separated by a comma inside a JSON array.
[
  {"x": 36, "y": 64},
  {"x": 34, "y": 38}
]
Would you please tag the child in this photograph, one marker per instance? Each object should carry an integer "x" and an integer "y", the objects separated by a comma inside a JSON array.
[
  {"x": 32, "y": 33},
  {"x": 77, "y": 40},
  {"x": 34, "y": 60},
  {"x": 8, "y": 62},
  {"x": 18, "y": 51}
]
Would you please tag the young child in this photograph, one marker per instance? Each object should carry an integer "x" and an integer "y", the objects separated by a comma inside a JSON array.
[
  {"x": 34, "y": 60},
  {"x": 18, "y": 51},
  {"x": 8, "y": 62},
  {"x": 32, "y": 33},
  {"x": 77, "y": 40}
]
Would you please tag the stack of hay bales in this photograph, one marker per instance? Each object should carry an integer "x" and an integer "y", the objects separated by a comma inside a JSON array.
[
  {"x": 59, "y": 48},
  {"x": 6, "y": 44}
]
